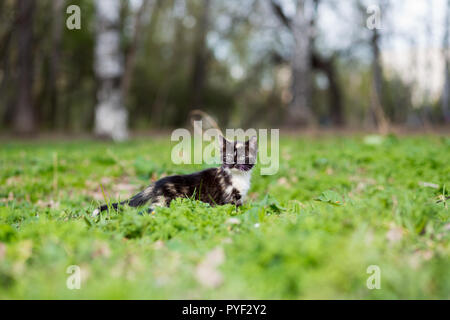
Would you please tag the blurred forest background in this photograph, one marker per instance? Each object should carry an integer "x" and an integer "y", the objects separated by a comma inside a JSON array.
[{"x": 145, "y": 64}]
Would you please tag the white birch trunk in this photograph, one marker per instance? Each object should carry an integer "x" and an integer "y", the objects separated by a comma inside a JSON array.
[{"x": 111, "y": 117}]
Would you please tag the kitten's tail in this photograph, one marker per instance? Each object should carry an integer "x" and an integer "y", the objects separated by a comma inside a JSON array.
[{"x": 136, "y": 201}]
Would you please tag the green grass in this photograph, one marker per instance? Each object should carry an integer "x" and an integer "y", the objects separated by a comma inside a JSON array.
[{"x": 336, "y": 206}]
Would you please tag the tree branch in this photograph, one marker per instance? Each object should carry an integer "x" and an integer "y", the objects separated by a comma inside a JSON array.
[{"x": 280, "y": 14}]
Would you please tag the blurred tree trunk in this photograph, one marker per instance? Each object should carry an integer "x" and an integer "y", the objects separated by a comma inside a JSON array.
[
  {"x": 55, "y": 63},
  {"x": 426, "y": 110},
  {"x": 24, "y": 117},
  {"x": 111, "y": 117},
  {"x": 377, "y": 85},
  {"x": 446, "y": 51},
  {"x": 328, "y": 66},
  {"x": 8, "y": 103},
  {"x": 299, "y": 112},
  {"x": 200, "y": 61}
]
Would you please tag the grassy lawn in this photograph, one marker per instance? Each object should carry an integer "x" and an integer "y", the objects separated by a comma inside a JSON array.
[{"x": 335, "y": 207}]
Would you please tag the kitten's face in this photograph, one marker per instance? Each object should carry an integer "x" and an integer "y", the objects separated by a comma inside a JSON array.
[{"x": 239, "y": 155}]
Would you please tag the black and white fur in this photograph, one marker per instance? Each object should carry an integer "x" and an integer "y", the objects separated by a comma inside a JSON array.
[{"x": 226, "y": 184}]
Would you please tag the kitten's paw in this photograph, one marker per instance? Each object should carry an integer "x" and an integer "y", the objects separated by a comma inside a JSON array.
[{"x": 95, "y": 212}]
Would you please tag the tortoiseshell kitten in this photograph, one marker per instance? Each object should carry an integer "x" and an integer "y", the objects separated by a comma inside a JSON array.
[{"x": 228, "y": 183}]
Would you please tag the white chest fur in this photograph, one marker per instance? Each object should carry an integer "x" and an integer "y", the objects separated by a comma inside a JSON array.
[{"x": 241, "y": 181}]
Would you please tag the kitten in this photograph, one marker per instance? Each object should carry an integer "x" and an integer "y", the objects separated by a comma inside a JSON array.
[{"x": 228, "y": 183}]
